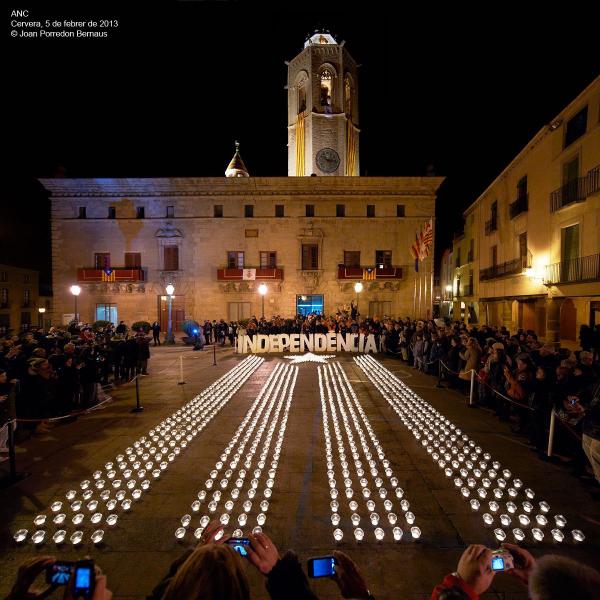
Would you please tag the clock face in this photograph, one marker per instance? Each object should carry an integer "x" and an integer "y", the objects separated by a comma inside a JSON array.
[{"x": 328, "y": 160}]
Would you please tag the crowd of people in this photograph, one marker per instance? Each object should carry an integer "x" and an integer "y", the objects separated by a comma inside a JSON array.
[
  {"x": 213, "y": 570},
  {"x": 54, "y": 373}
]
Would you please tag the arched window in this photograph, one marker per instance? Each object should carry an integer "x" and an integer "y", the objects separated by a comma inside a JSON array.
[
  {"x": 326, "y": 90},
  {"x": 301, "y": 96}
]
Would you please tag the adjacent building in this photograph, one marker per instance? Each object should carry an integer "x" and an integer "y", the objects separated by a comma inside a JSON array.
[
  {"x": 19, "y": 299},
  {"x": 310, "y": 237},
  {"x": 530, "y": 253}
]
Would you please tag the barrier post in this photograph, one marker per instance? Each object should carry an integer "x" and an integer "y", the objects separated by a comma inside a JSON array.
[
  {"x": 214, "y": 355},
  {"x": 137, "y": 408},
  {"x": 181, "y": 381},
  {"x": 472, "y": 391},
  {"x": 12, "y": 476},
  {"x": 551, "y": 434},
  {"x": 439, "y": 381}
]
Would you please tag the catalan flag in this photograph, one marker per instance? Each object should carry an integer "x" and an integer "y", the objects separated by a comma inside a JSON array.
[
  {"x": 108, "y": 275},
  {"x": 369, "y": 274}
]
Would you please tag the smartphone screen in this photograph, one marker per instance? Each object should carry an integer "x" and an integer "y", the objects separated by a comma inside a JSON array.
[
  {"x": 322, "y": 566},
  {"x": 59, "y": 573},
  {"x": 497, "y": 563},
  {"x": 83, "y": 578},
  {"x": 239, "y": 545}
]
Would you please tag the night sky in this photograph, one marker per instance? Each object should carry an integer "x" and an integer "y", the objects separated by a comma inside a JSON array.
[{"x": 172, "y": 88}]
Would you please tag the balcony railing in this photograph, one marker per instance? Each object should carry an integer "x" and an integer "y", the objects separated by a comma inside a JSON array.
[
  {"x": 491, "y": 225},
  {"x": 576, "y": 190},
  {"x": 109, "y": 275},
  {"x": 369, "y": 272},
  {"x": 520, "y": 205},
  {"x": 575, "y": 270},
  {"x": 251, "y": 274},
  {"x": 510, "y": 267}
]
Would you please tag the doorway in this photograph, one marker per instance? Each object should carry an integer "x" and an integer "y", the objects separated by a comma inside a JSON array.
[
  {"x": 177, "y": 314},
  {"x": 568, "y": 320},
  {"x": 107, "y": 312},
  {"x": 307, "y": 304}
]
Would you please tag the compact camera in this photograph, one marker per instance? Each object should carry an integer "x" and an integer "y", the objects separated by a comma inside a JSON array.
[{"x": 502, "y": 560}]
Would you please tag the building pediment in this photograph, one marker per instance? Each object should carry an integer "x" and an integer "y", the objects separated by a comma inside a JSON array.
[{"x": 168, "y": 231}]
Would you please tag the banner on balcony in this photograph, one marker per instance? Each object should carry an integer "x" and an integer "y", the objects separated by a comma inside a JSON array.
[
  {"x": 248, "y": 274},
  {"x": 313, "y": 342}
]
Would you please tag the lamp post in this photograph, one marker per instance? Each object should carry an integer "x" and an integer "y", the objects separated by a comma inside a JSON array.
[
  {"x": 41, "y": 311},
  {"x": 170, "y": 291},
  {"x": 76, "y": 290},
  {"x": 262, "y": 290},
  {"x": 358, "y": 288}
]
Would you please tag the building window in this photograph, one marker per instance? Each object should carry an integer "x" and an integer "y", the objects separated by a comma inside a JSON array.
[
  {"x": 238, "y": 311},
  {"x": 26, "y": 297},
  {"x": 249, "y": 211},
  {"x": 140, "y": 212},
  {"x": 82, "y": 212},
  {"x": 3, "y": 276},
  {"x": 26, "y": 278},
  {"x": 170, "y": 212},
  {"x": 235, "y": 259},
  {"x": 171, "y": 258},
  {"x": 25, "y": 319},
  {"x": 310, "y": 210},
  {"x": 458, "y": 258},
  {"x": 106, "y": 312},
  {"x": 494, "y": 255},
  {"x": 326, "y": 92},
  {"x": 102, "y": 260},
  {"x": 523, "y": 248},
  {"x": 471, "y": 255},
  {"x": 4, "y": 298},
  {"x": 522, "y": 187},
  {"x": 112, "y": 212},
  {"x": 310, "y": 257},
  {"x": 279, "y": 210},
  {"x": 576, "y": 126},
  {"x": 370, "y": 210},
  {"x": 268, "y": 260},
  {"x": 400, "y": 210},
  {"x": 340, "y": 210},
  {"x": 352, "y": 258},
  {"x": 383, "y": 258},
  {"x": 218, "y": 211},
  {"x": 133, "y": 260}
]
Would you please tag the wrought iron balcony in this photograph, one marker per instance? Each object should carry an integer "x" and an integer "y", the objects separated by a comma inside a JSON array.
[
  {"x": 491, "y": 225},
  {"x": 369, "y": 272},
  {"x": 510, "y": 267},
  {"x": 113, "y": 274},
  {"x": 251, "y": 273},
  {"x": 575, "y": 270},
  {"x": 576, "y": 190},
  {"x": 520, "y": 205}
]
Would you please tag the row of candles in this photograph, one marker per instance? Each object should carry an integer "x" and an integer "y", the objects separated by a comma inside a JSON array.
[
  {"x": 269, "y": 411},
  {"x": 338, "y": 396},
  {"x": 124, "y": 481},
  {"x": 477, "y": 477}
]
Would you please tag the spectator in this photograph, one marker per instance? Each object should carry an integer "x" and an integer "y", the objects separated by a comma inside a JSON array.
[{"x": 156, "y": 333}]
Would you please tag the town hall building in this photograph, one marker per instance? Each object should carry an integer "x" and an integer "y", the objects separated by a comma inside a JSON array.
[{"x": 309, "y": 237}]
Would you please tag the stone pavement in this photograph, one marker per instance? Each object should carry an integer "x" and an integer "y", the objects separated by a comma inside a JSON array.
[{"x": 139, "y": 549}]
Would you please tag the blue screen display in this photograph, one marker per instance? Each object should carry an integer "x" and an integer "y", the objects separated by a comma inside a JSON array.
[
  {"x": 61, "y": 574},
  {"x": 323, "y": 567},
  {"x": 82, "y": 578},
  {"x": 238, "y": 544},
  {"x": 497, "y": 563}
]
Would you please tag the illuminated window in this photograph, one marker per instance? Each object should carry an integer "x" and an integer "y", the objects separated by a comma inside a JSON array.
[
  {"x": 268, "y": 260},
  {"x": 326, "y": 92},
  {"x": 235, "y": 259},
  {"x": 383, "y": 258}
]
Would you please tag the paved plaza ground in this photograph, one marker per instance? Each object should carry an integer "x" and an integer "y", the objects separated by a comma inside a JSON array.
[{"x": 140, "y": 548}]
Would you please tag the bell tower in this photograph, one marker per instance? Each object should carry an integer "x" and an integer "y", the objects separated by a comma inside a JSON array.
[{"x": 322, "y": 109}]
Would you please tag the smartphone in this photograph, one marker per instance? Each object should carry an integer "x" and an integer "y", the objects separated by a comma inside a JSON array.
[
  {"x": 239, "y": 545},
  {"x": 84, "y": 579},
  {"x": 321, "y": 566},
  {"x": 59, "y": 573}
]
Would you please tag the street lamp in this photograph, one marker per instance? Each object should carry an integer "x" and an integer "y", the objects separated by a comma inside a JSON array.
[
  {"x": 170, "y": 291},
  {"x": 358, "y": 288},
  {"x": 76, "y": 290},
  {"x": 262, "y": 290},
  {"x": 41, "y": 311}
]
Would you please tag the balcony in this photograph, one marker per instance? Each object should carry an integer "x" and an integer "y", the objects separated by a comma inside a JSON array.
[
  {"x": 238, "y": 274},
  {"x": 576, "y": 270},
  {"x": 505, "y": 269},
  {"x": 369, "y": 273},
  {"x": 576, "y": 190},
  {"x": 520, "y": 205},
  {"x": 491, "y": 225},
  {"x": 114, "y": 274},
  {"x": 467, "y": 290}
]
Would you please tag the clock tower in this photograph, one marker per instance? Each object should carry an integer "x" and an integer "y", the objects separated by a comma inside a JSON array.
[{"x": 322, "y": 109}]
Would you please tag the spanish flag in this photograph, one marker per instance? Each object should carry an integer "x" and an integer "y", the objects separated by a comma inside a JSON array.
[
  {"x": 369, "y": 274},
  {"x": 108, "y": 275}
]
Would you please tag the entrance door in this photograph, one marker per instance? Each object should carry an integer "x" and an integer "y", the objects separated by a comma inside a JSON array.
[
  {"x": 594, "y": 313},
  {"x": 107, "y": 312},
  {"x": 527, "y": 316},
  {"x": 307, "y": 304},
  {"x": 568, "y": 320},
  {"x": 177, "y": 313}
]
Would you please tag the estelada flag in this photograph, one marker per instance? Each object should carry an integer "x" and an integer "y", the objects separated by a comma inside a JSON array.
[{"x": 369, "y": 274}]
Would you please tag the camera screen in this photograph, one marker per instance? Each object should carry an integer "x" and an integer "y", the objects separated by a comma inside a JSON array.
[
  {"x": 323, "y": 567},
  {"x": 82, "y": 578},
  {"x": 497, "y": 563},
  {"x": 60, "y": 574},
  {"x": 238, "y": 544}
]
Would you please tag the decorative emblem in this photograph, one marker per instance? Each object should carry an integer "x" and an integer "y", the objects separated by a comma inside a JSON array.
[
  {"x": 309, "y": 357},
  {"x": 328, "y": 160}
]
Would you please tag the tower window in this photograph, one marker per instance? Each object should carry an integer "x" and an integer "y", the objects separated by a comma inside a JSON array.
[
  {"x": 248, "y": 210},
  {"x": 218, "y": 211},
  {"x": 310, "y": 210},
  {"x": 279, "y": 210},
  {"x": 370, "y": 210},
  {"x": 112, "y": 212},
  {"x": 170, "y": 212},
  {"x": 140, "y": 212},
  {"x": 400, "y": 210},
  {"x": 348, "y": 95},
  {"x": 82, "y": 212},
  {"x": 340, "y": 210},
  {"x": 301, "y": 96},
  {"x": 326, "y": 93}
]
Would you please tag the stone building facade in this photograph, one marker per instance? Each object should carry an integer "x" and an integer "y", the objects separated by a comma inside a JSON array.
[
  {"x": 19, "y": 299},
  {"x": 310, "y": 237}
]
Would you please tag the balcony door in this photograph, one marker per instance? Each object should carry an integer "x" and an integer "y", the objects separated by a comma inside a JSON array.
[
  {"x": 569, "y": 250},
  {"x": 177, "y": 312}
]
